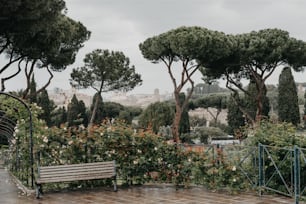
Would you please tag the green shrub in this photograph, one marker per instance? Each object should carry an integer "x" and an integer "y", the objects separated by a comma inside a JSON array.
[{"x": 140, "y": 156}]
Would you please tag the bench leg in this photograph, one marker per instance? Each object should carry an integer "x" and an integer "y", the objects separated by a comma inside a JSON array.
[
  {"x": 38, "y": 190},
  {"x": 115, "y": 184}
]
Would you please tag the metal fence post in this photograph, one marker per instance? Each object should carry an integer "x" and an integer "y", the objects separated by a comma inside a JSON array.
[
  {"x": 296, "y": 174},
  {"x": 260, "y": 168}
]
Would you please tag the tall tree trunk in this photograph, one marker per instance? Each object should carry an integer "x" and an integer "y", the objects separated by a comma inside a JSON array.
[
  {"x": 261, "y": 92},
  {"x": 176, "y": 121},
  {"x": 94, "y": 111}
]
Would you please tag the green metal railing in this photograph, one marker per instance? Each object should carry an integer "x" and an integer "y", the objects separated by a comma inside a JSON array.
[
  {"x": 269, "y": 168},
  {"x": 280, "y": 170}
]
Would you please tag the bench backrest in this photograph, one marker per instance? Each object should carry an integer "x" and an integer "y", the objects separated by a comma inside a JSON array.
[{"x": 76, "y": 172}]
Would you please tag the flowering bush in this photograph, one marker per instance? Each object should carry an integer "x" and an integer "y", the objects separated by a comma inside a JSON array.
[{"x": 140, "y": 156}]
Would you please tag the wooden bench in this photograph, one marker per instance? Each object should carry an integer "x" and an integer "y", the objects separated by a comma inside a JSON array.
[{"x": 75, "y": 172}]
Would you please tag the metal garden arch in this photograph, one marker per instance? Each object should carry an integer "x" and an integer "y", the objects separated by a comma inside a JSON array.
[{"x": 30, "y": 132}]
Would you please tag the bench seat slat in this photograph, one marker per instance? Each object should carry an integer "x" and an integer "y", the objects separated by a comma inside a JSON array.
[
  {"x": 80, "y": 165},
  {"x": 72, "y": 178},
  {"x": 79, "y": 173},
  {"x": 59, "y": 170}
]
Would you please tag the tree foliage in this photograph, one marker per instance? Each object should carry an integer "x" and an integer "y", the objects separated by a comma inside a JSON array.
[
  {"x": 59, "y": 117},
  {"x": 250, "y": 105},
  {"x": 192, "y": 47},
  {"x": 207, "y": 88},
  {"x": 47, "y": 107},
  {"x": 217, "y": 101},
  {"x": 76, "y": 114},
  {"x": 129, "y": 113},
  {"x": 112, "y": 109},
  {"x": 304, "y": 117},
  {"x": 256, "y": 55},
  {"x": 105, "y": 71},
  {"x": 38, "y": 34},
  {"x": 156, "y": 115},
  {"x": 33, "y": 95},
  {"x": 288, "y": 107},
  {"x": 184, "y": 126},
  {"x": 235, "y": 117}
]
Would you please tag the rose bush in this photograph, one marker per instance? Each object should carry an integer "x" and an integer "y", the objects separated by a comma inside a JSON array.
[{"x": 141, "y": 156}]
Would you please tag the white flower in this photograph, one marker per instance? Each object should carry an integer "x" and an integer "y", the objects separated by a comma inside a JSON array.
[
  {"x": 135, "y": 161},
  {"x": 234, "y": 168},
  {"x": 155, "y": 148},
  {"x": 102, "y": 133},
  {"x": 70, "y": 142},
  {"x": 139, "y": 151},
  {"x": 189, "y": 160},
  {"x": 45, "y": 140},
  {"x": 234, "y": 180}
]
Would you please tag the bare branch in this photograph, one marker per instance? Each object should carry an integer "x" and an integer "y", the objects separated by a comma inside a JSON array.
[
  {"x": 28, "y": 75},
  {"x": 49, "y": 81},
  {"x": 169, "y": 66},
  {"x": 272, "y": 69},
  {"x": 11, "y": 61},
  {"x": 212, "y": 115},
  {"x": 10, "y": 77},
  {"x": 4, "y": 46},
  {"x": 232, "y": 81}
]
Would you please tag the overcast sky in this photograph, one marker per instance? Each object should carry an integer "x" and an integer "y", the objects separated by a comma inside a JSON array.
[{"x": 122, "y": 24}]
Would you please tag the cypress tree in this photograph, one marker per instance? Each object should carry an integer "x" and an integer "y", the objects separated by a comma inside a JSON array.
[
  {"x": 76, "y": 114},
  {"x": 59, "y": 117},
  {"x": 304, "y": 117},
  {"x": 288, "y": 107},
  {"x": 33, "y": 94},
  {"x": 184, "y": 126},
  {"x": 156, "y": 115},
  {"x": 234, "y": 116},
  {"x": 47, "y": 106}
]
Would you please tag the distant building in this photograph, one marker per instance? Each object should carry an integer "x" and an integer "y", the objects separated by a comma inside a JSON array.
[
  {"x": 139, "y": 100},
  {"x": 63, "y": 97}
]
